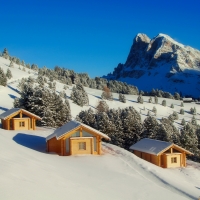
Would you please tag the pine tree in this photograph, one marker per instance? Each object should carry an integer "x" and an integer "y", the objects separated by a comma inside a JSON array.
[
  {"x": 5, "y": 54},
  {"x": 122, "y": 98},
  {"x": 193, "y": 121},
  {"x": 8, "y": 74},
  {"x": 42, "y": 102},
  {"x": 156, "y": 100},
  {"x": 168, "y": 132},
  {"x": 102, "y": 106},
  {"x": 182, "y": 111},
  {"x": 11, "y": 64},
  {"x": 182, "y": 104},
  {"x": 150, "y": 126},
  {"x": 164, "y": 103},
  {"x": 3, "y": 79},
  {"x": 150, "y": 100},
  {"x": 140, "y": 99},
  {"x": 189, "y": 139},
  {"x": 106, "y": 94},
  {"x": 183, "y": 123},
  {"x": 79, "y": 96},
  {"x": 177, "y": 96},
  {"x": 154, "y": 110},
  {"x": 172, "y": 106},
  {"x": 195, "y": 111}
]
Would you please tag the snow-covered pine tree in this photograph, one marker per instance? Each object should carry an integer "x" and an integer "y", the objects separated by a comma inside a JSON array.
[
  {"x": 193, "y": 121},
  {"x": 11, "y": 64},
  {"x": 172, "y": 106},
  {"x": 182, "y": 111},
  {"x": 183, "y": 123},
  {"x": 102, "y": 106},
  {"x": 5, "y": 54},
  {"x": 164, "y": 103},
  {"x": 140, "y": 99},
  {"x": 63, "y": 94},
  {"x": 79, "y": 96},
  {"x": 177, "y": 96},
  {"x": 8, "y": 74},
  {"x": 150, "y": 100},
  {"x": 40, "y": 80},
  {"x": 189, "y": 139},
  {"x": 154, "y": 110},
  {"x": 168, "y": 132},
  {"x": 150, "y": 126},
  {"x": 3, "y": 79},
  {"x": 175, "y": 114},
  {"x": 122, "y": 98},
  {"x": 156, "y": 100},
  {"x": 103, "y": 123},
  {"x": 42, "y": 102},
  {"x": 132, "y": 126},
  {"x": 182, "y": 105}
]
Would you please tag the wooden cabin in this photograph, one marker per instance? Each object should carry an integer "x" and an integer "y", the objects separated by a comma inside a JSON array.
[
  {"x": 161, "y": 153},
  {"x": 75, "y": 138},
  {"x": 18, "y": 119},
  {"x": 187, "y": 100}
]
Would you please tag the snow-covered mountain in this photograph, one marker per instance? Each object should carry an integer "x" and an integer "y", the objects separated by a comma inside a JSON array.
[{"x": 161, "y": 63}]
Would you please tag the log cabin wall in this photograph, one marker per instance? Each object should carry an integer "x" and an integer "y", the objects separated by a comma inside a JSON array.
[{"x": 54, "y": 145}]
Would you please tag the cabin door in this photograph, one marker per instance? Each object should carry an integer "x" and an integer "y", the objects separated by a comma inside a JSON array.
[{"x": 81, "y": 145}]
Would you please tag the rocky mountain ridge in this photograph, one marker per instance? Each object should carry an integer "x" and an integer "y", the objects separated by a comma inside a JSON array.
[{"x": 160, "y": 63}]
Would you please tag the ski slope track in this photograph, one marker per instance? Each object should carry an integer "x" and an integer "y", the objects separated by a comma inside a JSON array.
[{"x": 29, "y": 172}]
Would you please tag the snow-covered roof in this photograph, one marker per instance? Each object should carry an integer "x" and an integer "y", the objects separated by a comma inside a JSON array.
[
  {"x": 69, "y": 127},
  {"x": 154, "y": 147},
  {"x": 10, "y": 112},
  {"x": 150, "y": 146}
]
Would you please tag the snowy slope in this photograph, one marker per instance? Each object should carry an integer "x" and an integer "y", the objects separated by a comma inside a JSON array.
[{"x": 28, "y": 172}]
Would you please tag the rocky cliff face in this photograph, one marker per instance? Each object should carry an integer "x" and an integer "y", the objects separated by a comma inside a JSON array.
[{"x": 161, "y": 63}]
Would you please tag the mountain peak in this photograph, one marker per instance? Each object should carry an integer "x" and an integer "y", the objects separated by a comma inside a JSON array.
[
  {"x": 150, "y": 63},
  {"x": 141, "y": 37}
]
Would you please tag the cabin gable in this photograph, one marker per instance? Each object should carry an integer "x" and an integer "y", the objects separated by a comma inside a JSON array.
[
  {"x": 168, "y": 157},
  {"x": 79, "y": 140},
  {"x": 18, "y": 119}
]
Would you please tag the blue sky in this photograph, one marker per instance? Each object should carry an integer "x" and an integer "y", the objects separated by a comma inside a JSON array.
[{"x": 91, "y": 36}]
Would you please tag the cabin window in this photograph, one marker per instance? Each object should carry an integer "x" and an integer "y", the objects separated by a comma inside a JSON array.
[
  {"x": 21, "y": 124},
  {"x": 76, "y": 134},
  {"x": 82, "y": 145},
  {"x": 86, "y": 134},
  {"x": 174, "y": 160}
]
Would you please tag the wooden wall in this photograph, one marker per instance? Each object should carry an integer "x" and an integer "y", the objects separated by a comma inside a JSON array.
[{"x": 54, "y": 145}]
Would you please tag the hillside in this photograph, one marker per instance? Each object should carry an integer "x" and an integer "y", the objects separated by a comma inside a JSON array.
[
  {"x": 160, "y": 63},
  {"x": 28, "y": 172}
]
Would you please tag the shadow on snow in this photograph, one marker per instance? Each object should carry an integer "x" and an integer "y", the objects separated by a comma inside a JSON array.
[{"x": 33, "y": 142}]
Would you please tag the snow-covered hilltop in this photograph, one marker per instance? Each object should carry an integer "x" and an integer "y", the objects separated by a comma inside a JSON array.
[{"x": 160, "y": 63}]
